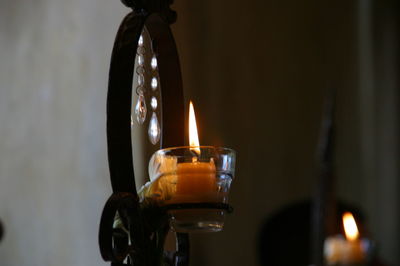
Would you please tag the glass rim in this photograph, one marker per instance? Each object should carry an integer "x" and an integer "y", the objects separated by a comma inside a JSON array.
[{"x": 191, "y": 147}]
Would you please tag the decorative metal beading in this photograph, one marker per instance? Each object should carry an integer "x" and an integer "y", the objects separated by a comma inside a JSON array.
[{"x": 129, "y": 234}]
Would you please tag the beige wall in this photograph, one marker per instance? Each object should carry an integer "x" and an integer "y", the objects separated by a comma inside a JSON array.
[{"x": 54, "y": 58}]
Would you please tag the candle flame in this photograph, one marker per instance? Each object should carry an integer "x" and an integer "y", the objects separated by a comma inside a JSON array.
[
  {"x": 193, "y": 136},
  {"x": 350, "y": 226}
]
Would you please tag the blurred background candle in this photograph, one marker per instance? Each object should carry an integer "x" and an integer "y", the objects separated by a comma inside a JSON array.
[{"x": 350, "y": 250}]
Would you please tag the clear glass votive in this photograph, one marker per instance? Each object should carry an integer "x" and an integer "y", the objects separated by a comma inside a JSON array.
[{"x": 192, "y": 175}]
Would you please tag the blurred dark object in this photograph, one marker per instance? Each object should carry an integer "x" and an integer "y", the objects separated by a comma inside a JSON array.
[
  {"x": 324, "y": 205},
  {"x": 285, "y": 238}
]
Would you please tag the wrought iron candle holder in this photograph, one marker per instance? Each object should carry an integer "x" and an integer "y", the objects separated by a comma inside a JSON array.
[
  {"x": 192, "y": 186},
  {"x": 188, "y": 189}
]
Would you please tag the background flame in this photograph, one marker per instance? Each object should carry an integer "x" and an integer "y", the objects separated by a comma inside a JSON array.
[{"x": 350, "y": 226}]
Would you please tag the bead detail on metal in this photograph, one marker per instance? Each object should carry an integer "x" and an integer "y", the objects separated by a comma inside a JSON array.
[
  {"x": 153, "y": 103},
  {"x": 141, "y": 42},
  {"x": 140, "y": 60},
  {"x": 140, "y": 70},
  {"x": 141, "y": 109},
  {"x": 153, "y": 62},
  {"x": 140, "y": 80},
  {"x": 154, "y": 129},
  {"x": 154, "y": 83}
]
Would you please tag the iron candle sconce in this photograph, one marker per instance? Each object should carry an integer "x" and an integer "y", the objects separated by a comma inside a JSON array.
[
  {"x": 192, "y": 187},
  {"x": 134, "y": 225}
]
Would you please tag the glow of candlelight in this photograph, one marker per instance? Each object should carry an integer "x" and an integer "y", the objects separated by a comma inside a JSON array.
[{"x": 350, "y": 226}]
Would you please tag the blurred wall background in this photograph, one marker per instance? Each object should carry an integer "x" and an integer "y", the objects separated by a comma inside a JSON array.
[
  {"x": 257, "y": 75},
  {"x": 53, "y": 164}
]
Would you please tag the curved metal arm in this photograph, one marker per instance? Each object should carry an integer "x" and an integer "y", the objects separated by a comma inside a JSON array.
[
  {"x": 153, "y": 6},
  {"x": 144, "y": 228}
]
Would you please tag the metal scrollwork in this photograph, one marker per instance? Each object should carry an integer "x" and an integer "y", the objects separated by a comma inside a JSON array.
[{"x": 132, "y": 234}]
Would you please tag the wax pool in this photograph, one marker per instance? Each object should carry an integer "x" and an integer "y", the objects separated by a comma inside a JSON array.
[{"x": 339, "y": 250}]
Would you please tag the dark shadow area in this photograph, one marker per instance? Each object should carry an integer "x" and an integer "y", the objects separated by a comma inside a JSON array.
[{"x": 285, "y": 236}]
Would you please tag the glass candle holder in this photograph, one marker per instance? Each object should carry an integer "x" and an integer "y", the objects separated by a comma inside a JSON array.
[{"x": 192, "y": 176}]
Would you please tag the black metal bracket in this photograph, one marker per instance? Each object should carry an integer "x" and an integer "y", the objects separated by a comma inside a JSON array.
[
  {"x": 129, "y": 232},
  {"x": 120, "y": 238},
  {"x": 153, "y": 6}
]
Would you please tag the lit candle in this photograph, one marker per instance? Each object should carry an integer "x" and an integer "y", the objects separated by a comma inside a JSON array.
[
  {"x": 346, "y": 251},
  {"x": 352, "y": 251},
  {"x": 196, "y": 180},
  {"x": 191, "y": 174}
]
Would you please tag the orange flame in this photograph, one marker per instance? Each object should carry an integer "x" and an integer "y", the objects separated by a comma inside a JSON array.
[{"x": 350, "y": 226}]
